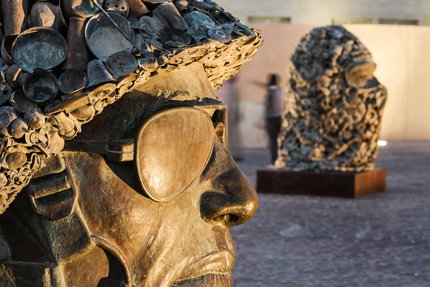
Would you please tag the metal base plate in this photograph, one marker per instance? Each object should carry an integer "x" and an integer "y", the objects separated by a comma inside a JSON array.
[{"x": 327, "y": 183}]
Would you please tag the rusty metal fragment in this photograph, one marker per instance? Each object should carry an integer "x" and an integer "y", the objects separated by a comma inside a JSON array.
[{"x": 14, "y": 14}]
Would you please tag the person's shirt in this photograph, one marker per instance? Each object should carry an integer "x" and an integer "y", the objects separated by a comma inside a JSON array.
[{"x": 274, "y": 102}]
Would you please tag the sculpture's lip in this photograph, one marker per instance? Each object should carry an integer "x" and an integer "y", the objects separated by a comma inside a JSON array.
[{"x": 216, "y": 263}]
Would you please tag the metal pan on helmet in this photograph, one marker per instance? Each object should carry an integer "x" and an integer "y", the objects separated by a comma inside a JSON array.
[
  {"x": 39, "y": 48},
  {"x": 175, "y": 38},
  {"x": 151, "y": 26},
  {"x": 183, "y": 6},
  {"x": 46, "y": 14},
  {"x": 199, "y": 19},
  {"x": 137, "y": 8},
  {"x": 72, "y": 81},
  {"x": 242, "y": 30},
  {"x": 122, "y": 64},
  {"x": 197, "y": 32},
  {"x": 220, "y": 34},
  {"x": 203, "y": 5},
  {"x": 168, "y": 14},
  {"x": 79, "y": 8},
  {"x": 104, "y": 39},
  {"x": 117, "y": 6},
  {"x": 222, "y": 16},
  {"x": 98, "y": 73},
  {"x": 41, "y": 87}
]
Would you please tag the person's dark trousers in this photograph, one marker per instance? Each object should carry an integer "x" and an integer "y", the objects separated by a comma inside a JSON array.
[{"x": 273, "y": 129}]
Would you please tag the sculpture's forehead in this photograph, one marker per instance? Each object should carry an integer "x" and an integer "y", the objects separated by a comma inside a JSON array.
[
  {"x": 187, "y": 86},
  {"x": 191, "y": 79}
]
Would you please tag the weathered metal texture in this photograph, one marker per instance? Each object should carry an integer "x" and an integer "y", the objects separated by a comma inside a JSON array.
[
  {"x": 334, "y": 105},
  {"x": 40, "y": 131},
  {"x": 41, "y": 87},
  {"x": 39, "y": 48},
  {"x": 104, "y": 39},
  {"x": 72, "y": 81},
  {"x": 78, "y": 54},
  {"x": 79, "y": 8},
  {"x": 84, "y": 220},
  {"x": 137, "y": 8},
  {"x": 119, "y": 6},
  {"x": 14, "y": 16},
  {"x": 46, "y": 14}
]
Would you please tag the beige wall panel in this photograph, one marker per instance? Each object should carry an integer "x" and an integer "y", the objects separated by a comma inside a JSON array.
[
  {"x": 322, "y": 12},
  {"x": 419, "y": 84},
  {"x": 389, "y": 46}
]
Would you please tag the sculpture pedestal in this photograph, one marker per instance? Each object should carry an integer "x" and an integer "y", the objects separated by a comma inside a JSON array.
[{"x": 326, "y": 183}]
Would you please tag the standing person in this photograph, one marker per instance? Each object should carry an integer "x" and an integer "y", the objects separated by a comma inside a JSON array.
[
  {"x": 229, "y": 94},
  {"x": 274, "y": 109}
]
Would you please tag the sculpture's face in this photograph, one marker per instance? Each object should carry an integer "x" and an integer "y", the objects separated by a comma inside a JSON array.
[
  {"x": 184, "y": 241},
  {"x": 159, "y": 244},
  {"x": 158, "y": 216}
]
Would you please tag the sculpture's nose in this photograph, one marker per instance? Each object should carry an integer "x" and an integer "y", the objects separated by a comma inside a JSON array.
[{"x": 230, "y": 198}]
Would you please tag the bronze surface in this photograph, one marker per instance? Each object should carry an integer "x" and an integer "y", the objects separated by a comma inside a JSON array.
[{"x": 85, "y": 220}]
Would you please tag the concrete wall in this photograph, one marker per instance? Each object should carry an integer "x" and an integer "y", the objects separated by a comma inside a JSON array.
[
  {"x": 322, "y": 12},
  {"x": 403, "y": 57}
]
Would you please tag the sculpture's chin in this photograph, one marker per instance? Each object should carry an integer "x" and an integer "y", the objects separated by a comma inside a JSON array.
[{"x": 208, "y": 280}]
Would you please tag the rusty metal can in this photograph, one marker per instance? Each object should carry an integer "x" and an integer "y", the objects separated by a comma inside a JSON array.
[
  {"x": 14, "y": 16},
  {"x": 46, "y": 14},
  {"x": 78, "y": 54}
]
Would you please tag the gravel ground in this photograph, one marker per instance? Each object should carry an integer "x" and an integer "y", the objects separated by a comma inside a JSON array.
[{"x": 380, "y": 240}]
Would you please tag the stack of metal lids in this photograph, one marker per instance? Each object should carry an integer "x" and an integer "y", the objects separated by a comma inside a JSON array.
[
  {"x": 87, "y": 43},
  {"x": 62, "y": 62}
]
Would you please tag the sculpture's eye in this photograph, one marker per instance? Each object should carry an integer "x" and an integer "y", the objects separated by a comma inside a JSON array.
[{"x": 172, "y": 148}]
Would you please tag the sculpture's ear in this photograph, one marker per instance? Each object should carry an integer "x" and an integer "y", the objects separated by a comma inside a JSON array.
[{"x": 52, "y": 191}]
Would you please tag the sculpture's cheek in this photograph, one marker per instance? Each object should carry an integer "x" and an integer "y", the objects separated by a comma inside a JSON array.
[{"x": 156, "y": 242}]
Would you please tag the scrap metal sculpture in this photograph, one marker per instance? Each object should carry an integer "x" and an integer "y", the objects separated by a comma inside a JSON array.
[
  {"x": 334, "y": 105},
  {"x": 113, "y": 170}
]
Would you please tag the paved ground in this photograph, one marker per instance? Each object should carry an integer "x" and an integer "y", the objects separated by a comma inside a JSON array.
[{"x": 382, "y": 240}]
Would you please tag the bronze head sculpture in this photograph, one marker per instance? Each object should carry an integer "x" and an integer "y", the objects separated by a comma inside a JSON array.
[
  {"x": 130, "y": 183},
  {"x": 334, "y": 105}
]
